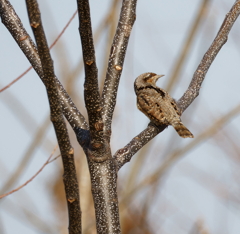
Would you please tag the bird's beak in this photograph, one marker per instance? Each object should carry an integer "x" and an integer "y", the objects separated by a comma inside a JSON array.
[
  {"x": 153, "y": 79},
  {"x": 158, "y": 76}
]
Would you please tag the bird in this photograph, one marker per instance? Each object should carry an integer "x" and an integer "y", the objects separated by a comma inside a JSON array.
[{"x": 157, "y": 104}]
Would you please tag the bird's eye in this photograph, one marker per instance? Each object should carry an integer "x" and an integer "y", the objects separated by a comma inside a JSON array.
[{"x": 149, "y": 76}]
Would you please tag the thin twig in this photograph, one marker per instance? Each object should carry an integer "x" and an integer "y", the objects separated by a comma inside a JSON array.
[
  {"x": 26, "y": 158},
  {"x": 63, "y": 30},
  {"x": 51, "y": 46},
  {"x": 33, "y": 177},
  {"x": 15, "y": 80},
  {"x": 12, "y": 22}
]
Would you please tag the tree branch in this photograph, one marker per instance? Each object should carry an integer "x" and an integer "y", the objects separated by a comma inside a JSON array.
[
  {"x": 176, "y": 154},
  {"x": 13, "y": 23},
  {"x": 51, "y": 46},
  {"x": 102, "y": 167},
  {"x": 28, "y": 181},
  {"x": 91, "y": 90},
  {"x": 125, "y": 154},
  {"x": 49, "y": 80},
  {"x": 116, "y": 60},
  {"x": 41, "y": 134},
  {"x": 199, "y": 75}
]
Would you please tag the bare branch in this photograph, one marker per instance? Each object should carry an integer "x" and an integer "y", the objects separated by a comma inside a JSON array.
[
  {"x": 67, "y": 152},
  {"x": 125, "y": 154},
  {"x": 26, "y": 157},
  {"x": 158, "y": 173},
  {"x": 199, "y": 75},
  {"x": 91, "y": 89},
  {"x": 109, "y": 24},
  {"x": 51, "y": 46},
  {"x": 116, "y": 60},
  {"x": 12, "y": 22},
  {"x": 31, "y": 179},
  {"x": 96, "y": 36},
  {"x": 15, "y": 80},
  {"x": 101, "y": 165}
]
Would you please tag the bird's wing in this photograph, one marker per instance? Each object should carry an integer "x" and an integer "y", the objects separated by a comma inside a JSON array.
[{"x": 149, "y": 102}]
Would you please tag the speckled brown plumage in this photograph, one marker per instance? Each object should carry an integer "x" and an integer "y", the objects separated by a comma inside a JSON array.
[{"x": 157, "y": 104}]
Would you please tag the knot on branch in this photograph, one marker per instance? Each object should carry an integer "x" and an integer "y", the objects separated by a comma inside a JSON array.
[
  {"x": 23, "y": 37},
  {"x": 89, "y": 62},
  {"x": 71, "y": 151},
  {"x": 34, "y": 24},
  {"x": 127, "y": 28},
  {"x": 118, "y": 67},
  {"x": 99, "y": 125},
  {"x": 99, "y": 151},
  {"x": 71, "y": 200}
]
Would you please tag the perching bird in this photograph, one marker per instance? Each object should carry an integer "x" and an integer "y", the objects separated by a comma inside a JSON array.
[{"x": 157, "y": 104}]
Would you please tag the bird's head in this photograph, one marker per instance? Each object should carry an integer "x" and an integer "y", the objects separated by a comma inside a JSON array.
[{"x": 145, "y": 80}]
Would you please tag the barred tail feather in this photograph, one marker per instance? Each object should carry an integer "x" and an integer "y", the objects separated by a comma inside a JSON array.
[{"x": 182, "y": 130}]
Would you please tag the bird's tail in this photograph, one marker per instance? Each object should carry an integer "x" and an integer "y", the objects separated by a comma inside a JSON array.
[{"x": 182, "y": 130}]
